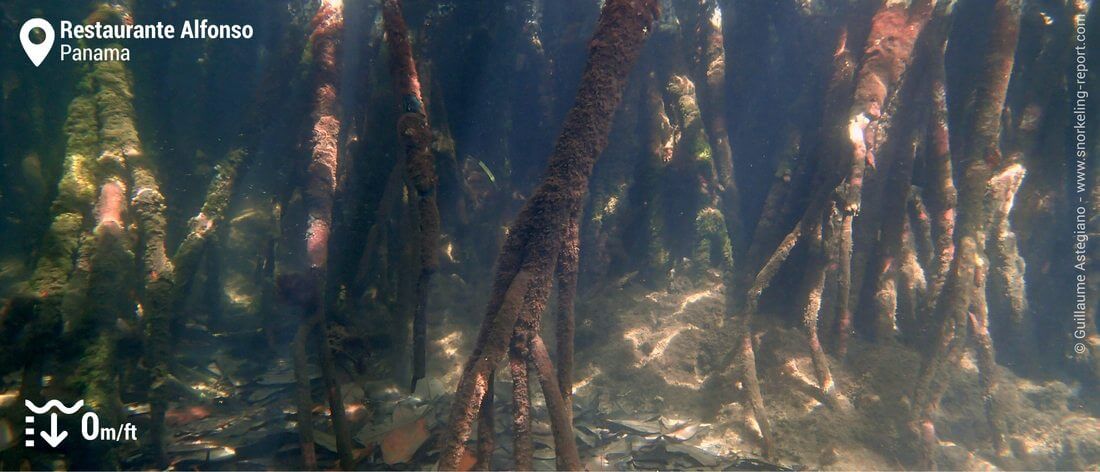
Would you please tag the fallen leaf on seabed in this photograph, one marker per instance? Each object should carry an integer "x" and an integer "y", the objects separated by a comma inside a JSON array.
[
  {"x": 182, "y": 416},
  {"x": 400, "y": 444},
  {"x": 638, "y": 426},
  {"x": 704, "y": 458}
]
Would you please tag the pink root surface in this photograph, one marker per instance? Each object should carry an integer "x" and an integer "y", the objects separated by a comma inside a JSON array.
[{"x": 112, "y": 200}]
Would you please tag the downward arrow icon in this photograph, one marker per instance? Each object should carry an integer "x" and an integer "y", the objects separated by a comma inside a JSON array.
[{"x": 53, "y": 437}]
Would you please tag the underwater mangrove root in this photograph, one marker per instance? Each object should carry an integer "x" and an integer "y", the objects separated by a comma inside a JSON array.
[
  {"x": 166, "y": 294},
  {"x": 523, "y": 447},
  {"x": 894, "y": 31},
  {"x": 560, "y": 420},
  {"x": 53, "y": 273},
  {"x": 967, "y": 276},
  {"x": 302, "y": 394},
  {"x": 746, "y": 356},
  {"x": 527, "y": 260},
  {"x": 814, "y": 285},
  {"x": 300, "y": 293},
  {"x": 1008, "y": 265},
  {"x": 943, "y": 195},
  {"x": 566, "y": 276},
  {"x": 416, "y": 136},
  {"x": 119, "y": 138},
  {"x": 328, "y": 25},
  {"x": 486, "y": 433},
  {"x": 709, "y": 72}
]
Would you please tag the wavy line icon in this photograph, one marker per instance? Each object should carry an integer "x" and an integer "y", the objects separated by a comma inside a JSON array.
[{"x": 38, "y": 410}]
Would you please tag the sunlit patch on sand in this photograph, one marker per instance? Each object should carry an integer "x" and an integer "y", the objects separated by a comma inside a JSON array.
[
  {"x": 652, "y": 343},
  {"x": 693, "y": 298},
  {"x": 659, "y": 340}
]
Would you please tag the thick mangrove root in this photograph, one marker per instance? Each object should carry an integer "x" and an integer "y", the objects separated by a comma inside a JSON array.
[
  {"x": 566, "y": 276},
  {"x": 416, "y": 136},
  {"x": 944, "y": 196},
  {"x": 111, "y": 258},
  {"x": 486, "y": 434},
  {"x": 158, "y": 270},
  {"x": 709, "y": 70},
  {"x": 560, "y": 420},
  {"x": 328, "y": 26},
  {"x": 1008, "y": 267},
  {"x": 747, "y": 371},
  {"x": 303, "y": 394},
  {"x": 165, "y": 296},
  {"x": 982, "y": 152},
  {"x": 106, "y": 302},
  {"x": 814, "y": 285},
  {"x": 746, "y": 357},
  {"x": 523, "y": 447},
  {"x": 530, "y": 253},
  {"x": 52, "y": 277}
]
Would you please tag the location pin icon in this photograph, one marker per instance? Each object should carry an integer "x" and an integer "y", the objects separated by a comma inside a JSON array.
[{"x": 37, "y": 52}]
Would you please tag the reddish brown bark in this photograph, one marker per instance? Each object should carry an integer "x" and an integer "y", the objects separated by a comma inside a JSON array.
[
  {"x": 328, "y": 24},
  {"x": 525, "y": 267},
  {"x": 944, "y": 197}
]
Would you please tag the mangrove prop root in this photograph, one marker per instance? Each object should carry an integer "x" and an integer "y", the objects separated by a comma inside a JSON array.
[
  {"x": 981, "y": 153},
  {"x": 566, "y": 274},
  {"x": 523, "y": 449},
  {"x": 416, "y": 136},
  {"x": 888, "y": 53},
  {"x": 63, "y": 243},
  {"x": 166, "y": 294},
  {"x": 1008, "y": 266},
  {"x": 303, "y": 397},
  {"x": 988, "y": 375},
  {"x": 747, "y": 370},
  {"x": 529, "y": 255},
  {"x": 752, "y": 387},
  {"x": 920, "y": 226},
  {"x": 485, "y": 429},
  {"x": 943, "y": 195},
  {"x": 328, "y": 25},
  {"x": 814, "y": 286},
  {"x": 560, "y": 420},
  {"x": 709, "y": 72},
  {"x": 844, "y": 288}
]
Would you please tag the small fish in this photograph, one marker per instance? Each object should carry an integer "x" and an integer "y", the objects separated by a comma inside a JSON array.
[{"x": 489, "y": 173}]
